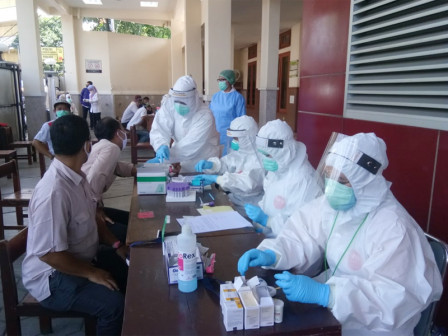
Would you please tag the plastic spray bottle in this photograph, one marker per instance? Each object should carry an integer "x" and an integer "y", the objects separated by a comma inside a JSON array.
[{"x": 186, "y": 259}]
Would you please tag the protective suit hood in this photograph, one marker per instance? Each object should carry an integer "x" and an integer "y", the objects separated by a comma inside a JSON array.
[
  {"x": 370, "y": 187},
  {"x": 184, "y": 91},
  {"x": 291, "y": 149},
  {"x": 245, "y": 123}
]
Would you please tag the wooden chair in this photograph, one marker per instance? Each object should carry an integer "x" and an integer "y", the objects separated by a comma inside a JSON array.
[
  {"x": 14, "y": 308},
  {"x": 138, "y": 146},
  {"x": 19, "y": 199},
  {"x": 8, "y": 155},
  {"x": 11, "y": 144}
]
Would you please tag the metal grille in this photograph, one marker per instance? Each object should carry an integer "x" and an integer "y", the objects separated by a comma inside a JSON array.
[{"x": 397, "y": 66}]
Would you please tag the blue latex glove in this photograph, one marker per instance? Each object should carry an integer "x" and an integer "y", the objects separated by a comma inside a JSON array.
[
  {"x": 203, "y": 164},
  {"x": 206, "y": 179},
  {"x": 303, "y": 289},
  {"x": 253, "y": 258},
  {"x": 256, "y": 214},
  {"x": 163, "y": 153},
  {"x": 153, "y": 160}
]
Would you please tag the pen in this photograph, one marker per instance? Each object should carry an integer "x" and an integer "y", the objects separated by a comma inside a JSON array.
[{"x": 211, "y": 196}]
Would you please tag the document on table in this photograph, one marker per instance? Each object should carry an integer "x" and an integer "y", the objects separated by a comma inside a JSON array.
[
  {"x": 208, "y": 209},
  {"x": 215, "y": 222}
]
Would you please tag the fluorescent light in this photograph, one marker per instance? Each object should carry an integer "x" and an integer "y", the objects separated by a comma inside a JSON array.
[
  {"x": 92, "y": 2},
  {"x": 149, "y": 4}
]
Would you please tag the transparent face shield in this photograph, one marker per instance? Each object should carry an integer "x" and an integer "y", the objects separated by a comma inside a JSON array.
[
  {"x": 241, "y": 139},
  {"x": 336, "y": 167},
  {"x": 264, "y": 146}
]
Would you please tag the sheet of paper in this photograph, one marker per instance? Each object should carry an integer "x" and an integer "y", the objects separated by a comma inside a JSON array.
[
  {"x": 215, "y": 222},
  {"x": 208, "y": 210}
]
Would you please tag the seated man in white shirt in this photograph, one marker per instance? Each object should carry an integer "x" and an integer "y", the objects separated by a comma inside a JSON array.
[
  {"x": 63, "y": 268},
  {"x": 131, "y": 109},
  {"x": 103, "y": 166},
  {"x": 138, "y": 120}
]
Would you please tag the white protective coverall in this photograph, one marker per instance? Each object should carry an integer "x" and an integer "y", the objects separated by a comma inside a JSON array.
[
  {"x": 241, "y": 172},
  {"x": 195, "y": 136},
  {"x": 380, "y": 282},
  {"x": 293, "y": 184}
]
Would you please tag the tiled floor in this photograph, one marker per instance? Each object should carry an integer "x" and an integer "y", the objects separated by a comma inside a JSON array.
[{"x": 118, "y": 196}]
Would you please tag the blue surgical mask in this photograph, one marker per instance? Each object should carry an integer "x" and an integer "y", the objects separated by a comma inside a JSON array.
[
  {"x": 235, "y": 145},
  {"x": 61, "y": 113},
  {"x": 270, "y": 164},
  {"x": 339, "y": 196},
  {"x": 222, "y": 85},
  {"x": 181, "y": 109}
]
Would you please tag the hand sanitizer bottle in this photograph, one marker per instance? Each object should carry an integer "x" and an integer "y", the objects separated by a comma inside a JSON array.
[{"x": 186, "y": 259}]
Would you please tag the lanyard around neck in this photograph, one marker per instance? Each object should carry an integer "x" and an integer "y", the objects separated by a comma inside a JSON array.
[{"x": 346, "y": 249}]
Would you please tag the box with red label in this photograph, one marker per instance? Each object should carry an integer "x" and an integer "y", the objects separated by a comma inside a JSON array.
[{"x": 170, "y": 255}]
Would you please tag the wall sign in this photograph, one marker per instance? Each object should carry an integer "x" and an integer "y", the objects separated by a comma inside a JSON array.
[{"x": 94, "y": 66}]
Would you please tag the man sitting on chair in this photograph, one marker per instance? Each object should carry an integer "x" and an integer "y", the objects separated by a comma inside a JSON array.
[
  {"x": 63, "y": 268},
  {"x": 139, "y": 120}
]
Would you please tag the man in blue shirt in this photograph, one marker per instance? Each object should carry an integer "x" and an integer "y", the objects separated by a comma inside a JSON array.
[{"x": 85, "y": 105}]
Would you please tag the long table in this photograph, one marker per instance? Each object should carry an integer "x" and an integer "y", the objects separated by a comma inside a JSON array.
[
  {"x": 140, "y": 229},
  {"x": 153, "y": 307}
]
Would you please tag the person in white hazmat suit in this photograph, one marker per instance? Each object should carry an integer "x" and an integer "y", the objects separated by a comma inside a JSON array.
[
  {"x": 239, "y": 172},
  {"x": 381, "y": 269},
  {"x": 290, "y": 181},
  {"x": 184, "y": 118}
]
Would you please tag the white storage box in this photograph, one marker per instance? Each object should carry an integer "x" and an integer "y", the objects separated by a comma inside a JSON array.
[
  {"x": 170, "y": 255},
  {"x": 251, "y": 308},
  {"x": 152, "y": 179},
  {"x": 231, "y": 307},
  {"x": 266, "y": 305}
]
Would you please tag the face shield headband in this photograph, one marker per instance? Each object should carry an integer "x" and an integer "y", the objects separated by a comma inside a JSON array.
[
  {"x": 363, "y": 160},
  {"x": 237, "y": 133},
  {"x": 271, "y": 143},
  {"x": 182, "y": 94}
]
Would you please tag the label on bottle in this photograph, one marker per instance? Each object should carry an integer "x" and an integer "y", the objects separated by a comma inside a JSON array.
[{"x": 187, "y": 266}]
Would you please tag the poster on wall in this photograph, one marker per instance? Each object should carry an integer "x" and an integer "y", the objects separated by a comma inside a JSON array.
[
  {"x": 94, "y": 66},
  {"x": 294, "y": 69}
]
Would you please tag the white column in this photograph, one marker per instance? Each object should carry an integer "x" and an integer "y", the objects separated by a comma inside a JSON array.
[
  {"x": 218, "y": 47},
  {"x": 193, "y": 43},
  {"x": 71, "y": 69},
  {"x": 270, "y": 29},
  {"x": 30, "y": 60},
  {"x": 178, "y": 42}
]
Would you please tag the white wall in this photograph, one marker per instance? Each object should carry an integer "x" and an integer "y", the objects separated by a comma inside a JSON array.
[
  {"x": 139, "y": 65},
  {"x": 135, "y": 64},
  {"x": 94, "y": 46}
]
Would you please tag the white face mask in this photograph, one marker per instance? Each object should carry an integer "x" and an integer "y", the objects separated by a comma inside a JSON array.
[{"x": 123, "y": 141}]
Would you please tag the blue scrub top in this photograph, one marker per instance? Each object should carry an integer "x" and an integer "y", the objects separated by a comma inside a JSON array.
[{"x": 225, "y": 108}]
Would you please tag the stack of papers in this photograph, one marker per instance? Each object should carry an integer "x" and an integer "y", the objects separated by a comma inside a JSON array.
[{"x": 216, "y": 221}]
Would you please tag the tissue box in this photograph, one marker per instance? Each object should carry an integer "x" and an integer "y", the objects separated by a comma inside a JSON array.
[
  {"x": 152, "y": 179},
  {"x": 170, "y": 255},
  {"x": 231, "y": 307},
  {"x": 251, "y": 308}
]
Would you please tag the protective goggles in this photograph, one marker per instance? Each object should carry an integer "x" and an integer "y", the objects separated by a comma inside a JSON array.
[
  {"x": 182, "y": 94},
  {"x": 272, "y": 143},
  {"x": 236, "y": 133},
  {"x": 363, "y": 160}
]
